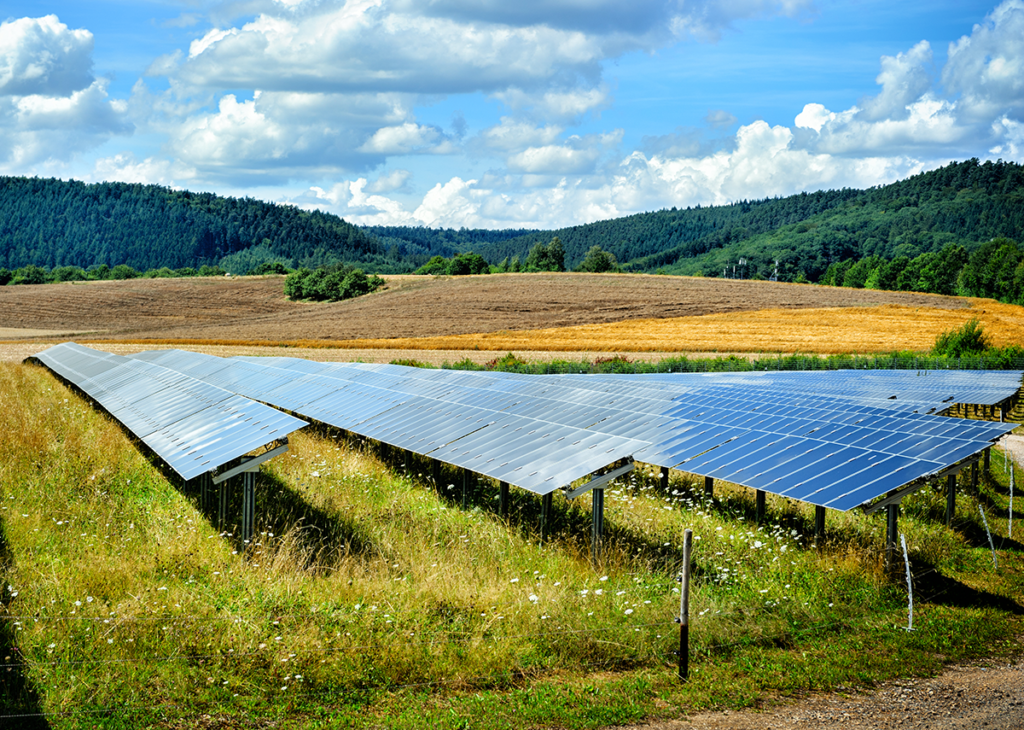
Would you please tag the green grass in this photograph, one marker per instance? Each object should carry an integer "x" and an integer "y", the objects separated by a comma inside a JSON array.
[{"x": 370, "y": 598}]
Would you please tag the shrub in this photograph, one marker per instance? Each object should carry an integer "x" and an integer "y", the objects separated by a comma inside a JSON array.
[
  {"x": 5, "y": 276},
  {"x": 208, "y": 270},
  {"x": 598, "y": 261},
  {"x": 30, "y": 274},
  {"x": 330, "y": 284},
  {"x": 123, "y": 271},
  {"x": 268, "y": 267},
  {"x": 437, "y": 266},
  {"x": 468, "y": 263},
  {"x": 969, "y": 339},
  {"x": 67, "y": 273}
]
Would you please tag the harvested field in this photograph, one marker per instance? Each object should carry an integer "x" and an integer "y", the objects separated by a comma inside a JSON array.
[
  {"x": 861, "y": 330},
  {"x": 255, "y": 310}
]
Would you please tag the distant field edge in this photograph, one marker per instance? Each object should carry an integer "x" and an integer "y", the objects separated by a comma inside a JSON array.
[{"x": 869, "y": 330}]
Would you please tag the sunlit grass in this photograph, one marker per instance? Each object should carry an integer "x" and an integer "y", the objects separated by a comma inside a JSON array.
[{"x": 370, "y": 593}]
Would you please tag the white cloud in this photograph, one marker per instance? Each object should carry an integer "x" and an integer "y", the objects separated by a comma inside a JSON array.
[
  {"x": 720, "y": 119},
  {"x": 405, "y": 139},
  {"x": 904, "y": 80},
  {"x": 51, "y": 107},
  {"x": 390, "y": 182},
  {"x": 987, "y": 67},
  {"x": 125, "y": 167},
  {"x": 41, "y": 56},
  {"x": 563, "y": 105},
  {"x": 513, "y": 134}
]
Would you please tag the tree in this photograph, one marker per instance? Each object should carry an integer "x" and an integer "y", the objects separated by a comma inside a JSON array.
[
  {"x": 546, "y": 258},
  {"x": 969, "y": 339},
  {"x": 123, "y": 271},
  {"x": 598, "y": 261},
  {"x": 467, "y": 263},
  {"x": 437, "y": 266}
]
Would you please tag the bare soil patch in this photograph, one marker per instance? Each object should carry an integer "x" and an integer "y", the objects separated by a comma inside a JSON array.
[
  {"x": 255, "y": 309},
  {"x": 961, "y": 698}
]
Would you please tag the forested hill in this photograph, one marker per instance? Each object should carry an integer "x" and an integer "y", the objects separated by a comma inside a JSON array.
[
  {"x": 963, "y": 203},
  {"x": 52, "y": 223}
]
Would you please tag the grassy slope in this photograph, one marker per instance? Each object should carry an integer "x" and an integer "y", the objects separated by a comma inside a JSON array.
[{"x": 371, "y": 595}]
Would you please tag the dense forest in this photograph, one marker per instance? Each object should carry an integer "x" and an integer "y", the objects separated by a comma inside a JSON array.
[
  {"x": 53, "y": 223},
  {"x": 951, "y": 230}
]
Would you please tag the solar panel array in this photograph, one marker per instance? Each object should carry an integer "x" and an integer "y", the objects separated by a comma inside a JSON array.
[
  {"x": 837, "y": 450},
  {"x": 194, "y": 426}
]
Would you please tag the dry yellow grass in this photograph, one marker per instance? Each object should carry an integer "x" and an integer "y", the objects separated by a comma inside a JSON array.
[{"x": 835, "y": 330}]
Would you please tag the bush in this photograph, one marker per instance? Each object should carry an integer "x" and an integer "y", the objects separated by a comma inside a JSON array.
[
  {"x": 437, "y": 266},
  {"x": 469, "y": 263},
  {"x": 969, "y": 339},
  {"x": 30, "y": 275},
  {"x": 330, "y": 284},
  {"x": 67, "y": 273},
  {"x": 123, "y": 271},
  {"x": 5, "y": 276},
  {"x": 546, "y": 258},
  {"x": 208, "y": 270},
  {"x": 162, "y": 273},
  {"x": 98, "y": 272},
  {"x": 598, "y": 261},
  {"x": 268, "y": 267}
]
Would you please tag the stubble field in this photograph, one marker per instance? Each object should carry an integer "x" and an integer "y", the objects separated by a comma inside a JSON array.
[{"x": 538, "y": 315}]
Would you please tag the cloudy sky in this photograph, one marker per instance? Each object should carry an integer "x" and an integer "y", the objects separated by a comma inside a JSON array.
[{"x": 507, "y": 113}]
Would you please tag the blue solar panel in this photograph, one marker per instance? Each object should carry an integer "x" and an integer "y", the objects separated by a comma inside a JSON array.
[{"x": 773, "y": 431}]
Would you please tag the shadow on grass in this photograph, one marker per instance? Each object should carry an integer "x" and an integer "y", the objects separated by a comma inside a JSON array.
[
  {"x": 931, "y": 586},
  {"x": 19, "y": 700},
  {"x": 322, "y": 537}
]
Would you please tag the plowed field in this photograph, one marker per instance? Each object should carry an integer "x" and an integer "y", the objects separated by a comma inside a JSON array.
[
  {"x": 555, "y": 313},
  {"x": 256, "y": 309}
]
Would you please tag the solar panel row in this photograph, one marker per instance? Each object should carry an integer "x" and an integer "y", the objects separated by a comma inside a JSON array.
[
  {"x": 194, "y": 426},
  {"x": 542, "y": 432}
]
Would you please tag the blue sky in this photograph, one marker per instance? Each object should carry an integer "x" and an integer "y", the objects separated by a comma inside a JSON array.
[{"x": 498, "y": 114}]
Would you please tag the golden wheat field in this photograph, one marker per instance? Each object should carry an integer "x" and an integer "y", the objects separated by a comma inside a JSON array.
[{"x": 831, "y": 330}]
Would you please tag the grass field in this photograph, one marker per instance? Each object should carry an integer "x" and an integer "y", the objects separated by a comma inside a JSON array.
[{"x": 370, "y": 598}]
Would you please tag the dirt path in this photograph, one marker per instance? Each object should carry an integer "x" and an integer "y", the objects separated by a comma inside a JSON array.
[{"x": 982, "y": 697}]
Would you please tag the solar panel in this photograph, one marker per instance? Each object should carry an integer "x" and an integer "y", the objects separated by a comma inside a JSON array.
[
  {"x": 769, "y": 431},
  {"x": 193, "y": 426}
]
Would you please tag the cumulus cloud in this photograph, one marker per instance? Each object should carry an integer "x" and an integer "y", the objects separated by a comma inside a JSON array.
[
  {"x": 406, "y": 139},
  {"x": 720, "y": 119},
  {"x": 904, "y": 80},
  {"x": 51, "y": 107},
  {"x": 41, "y": 56},
  {"x": 987, "y": 67}
]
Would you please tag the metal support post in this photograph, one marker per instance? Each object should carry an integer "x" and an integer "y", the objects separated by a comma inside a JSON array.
[
  {"x": 597, "y": 523},
  {"x": 405, "y": 461},
  {"x": 759, "y": 506},
  {"x": 435, "y": 472},
  {"x": 892, "y": 512},
  {"x": 204, "y": 492},
  {"x": 503, "y": 500},
  {"x": 248, "y": 505},
  {"x": 974, "y": 477},
  {"x": 819, "y": 526},
  {"x": 950, "y": 499},
  {"x": 1002, "y": 412},
  {"x": 684, "y": 608},
  {"x": 545, "y": 516},
  {"x": 709, "y": 488},
  {"x": 222, "y": 505},
  {"x": 988, "y": 458},
  {"x": 664, "y": 479},
  {"x": 465, "y": 488}
]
